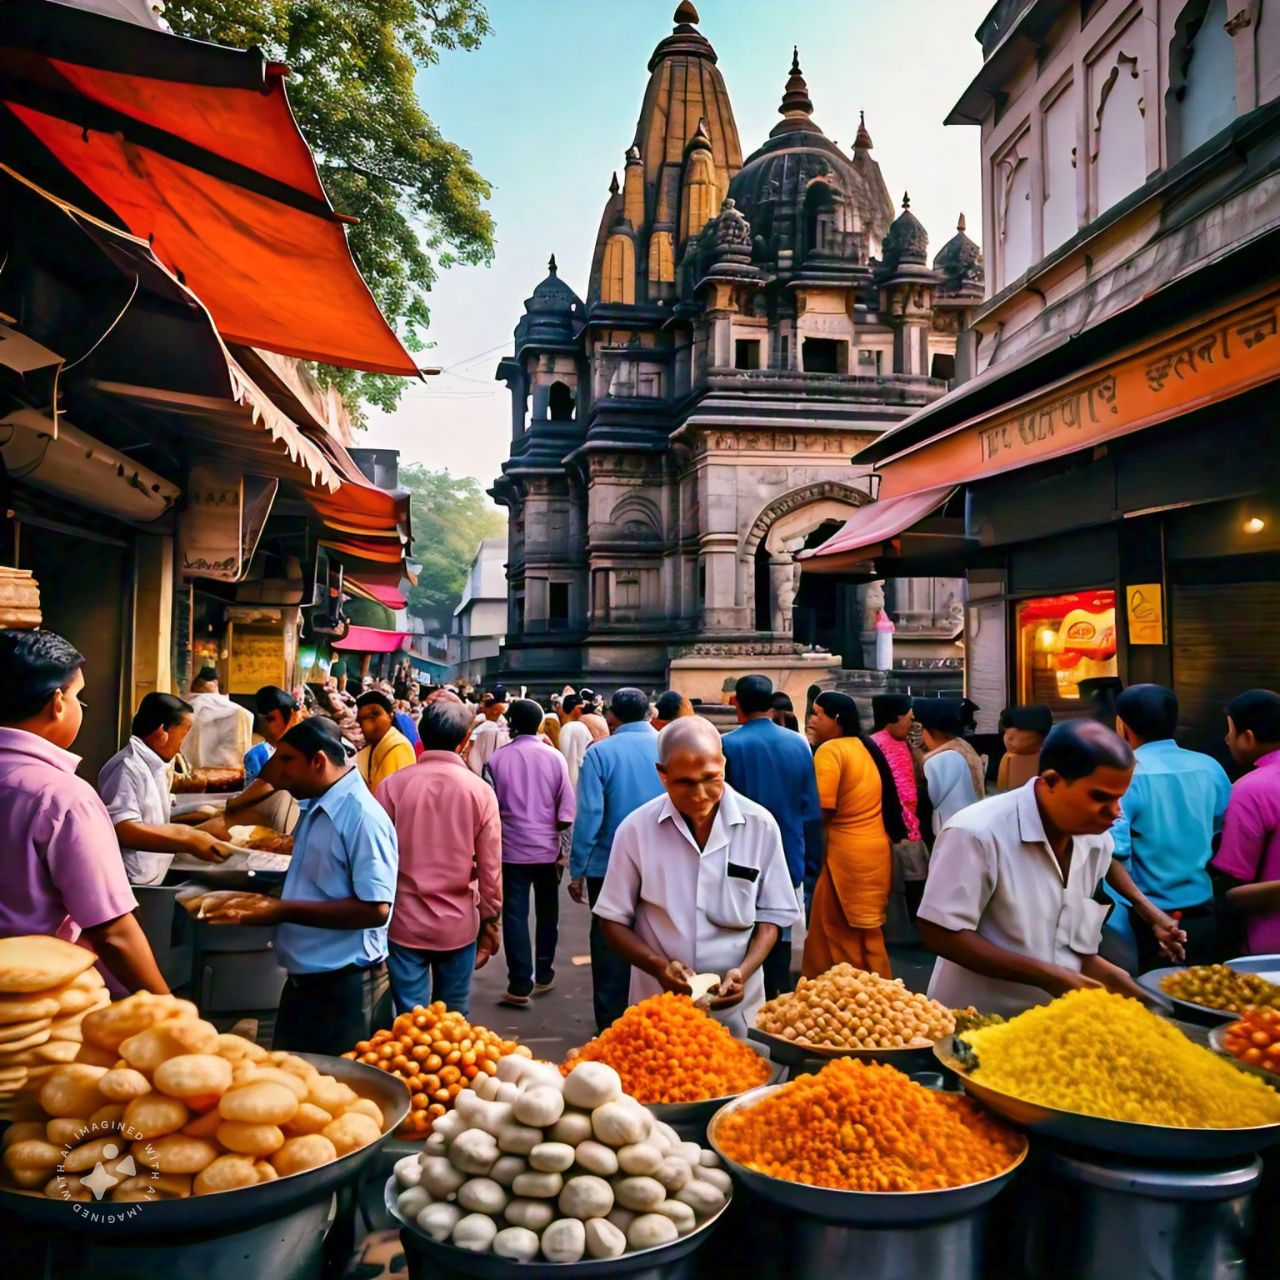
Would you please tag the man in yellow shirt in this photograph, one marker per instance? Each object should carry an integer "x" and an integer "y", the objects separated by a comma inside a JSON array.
[{"x": 386, "y": 749}]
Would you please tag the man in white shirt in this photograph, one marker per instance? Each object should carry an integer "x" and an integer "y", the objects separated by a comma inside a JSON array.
[
  {"x": 575, "y": 737},
  {"x": 697, "y": 881},
  {"x": 1011, "y": 907},
  {"x": 221, "y": 730},
  {"x": 134, "y": 785},
  {"x": 491, "y": 731}
]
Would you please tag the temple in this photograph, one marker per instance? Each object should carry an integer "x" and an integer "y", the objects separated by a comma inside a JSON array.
[{"x": 679, "y": 436}]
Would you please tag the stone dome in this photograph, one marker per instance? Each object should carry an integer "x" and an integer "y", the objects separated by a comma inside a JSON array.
[
  {"x": 907, "y": 243},
  {"x": 959, "y": 262},
  {"x": 803, "y": 196},
  {"x": 553, "y": 313}
]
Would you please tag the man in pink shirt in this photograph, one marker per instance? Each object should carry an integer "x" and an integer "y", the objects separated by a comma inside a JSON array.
[
  {"x": 60, "y": 864},
  {"x": 1250, "y": 847},
  {"x": 449, "y": 888}
]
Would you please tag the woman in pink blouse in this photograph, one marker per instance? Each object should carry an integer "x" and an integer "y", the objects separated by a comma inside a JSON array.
[{"x": 893, "y": 720}]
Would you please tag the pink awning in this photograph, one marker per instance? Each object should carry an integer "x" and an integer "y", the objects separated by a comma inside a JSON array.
[
  {"x": 869, "y": 527},
  {"x": 391, "y": 597},
  {"x": 372, "y": 640}
]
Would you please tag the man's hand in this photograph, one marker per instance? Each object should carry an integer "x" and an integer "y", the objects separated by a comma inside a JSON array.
[
  {"x": 675, "y": 977},
  {"x": 732, "y": 988},
  {"x": 212, "y": 849},
  {"x": 488, "y": 943},
  {"x": 1171, "y": 937},
  {"x": 578, "y": 890},
  {"x": 245, "y": 908},
  {"x": 1061, "y": 980}
]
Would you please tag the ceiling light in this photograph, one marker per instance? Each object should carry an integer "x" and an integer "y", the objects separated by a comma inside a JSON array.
[{"x": 1254, "y": 524}]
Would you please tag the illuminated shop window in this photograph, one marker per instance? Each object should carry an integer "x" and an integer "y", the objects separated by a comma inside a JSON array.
[{"x": 1061, "y": 641}]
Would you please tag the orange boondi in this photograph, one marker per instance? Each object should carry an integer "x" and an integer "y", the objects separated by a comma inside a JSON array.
[
  {"x": 667, "y": 1050},
  {"x": 858, "y": 1126}
]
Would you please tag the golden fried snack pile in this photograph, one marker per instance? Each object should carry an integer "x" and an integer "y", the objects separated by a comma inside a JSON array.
[{"x": 158, "y": 1104}]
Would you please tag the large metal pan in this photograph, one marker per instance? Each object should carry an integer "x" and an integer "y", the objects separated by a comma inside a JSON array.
[
  {"x": 448, "y": 1259},
  {"x": 231, "y": 1209},
  {"x": 1125, "y": 1137},
  {"x": 859, "y": 1208},
  {"x": 792, "y": 1053}
]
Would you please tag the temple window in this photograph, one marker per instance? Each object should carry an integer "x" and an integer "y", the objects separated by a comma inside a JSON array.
[
  {"x": 1202, "y": 77},
  {"x": 746, "y": 353},
  {"x": 824, "y": 355},
  {"x": 1120, "y": 134},
  {"x": 560, "y": 402}
]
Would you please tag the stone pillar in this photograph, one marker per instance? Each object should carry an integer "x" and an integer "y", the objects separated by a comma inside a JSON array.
[
  {"x": 152, "y": 616},
  {"x": 720, "y": 558},
  {"x": 782, "y": 590}
]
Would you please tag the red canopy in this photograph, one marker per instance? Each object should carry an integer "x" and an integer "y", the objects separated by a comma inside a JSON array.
[
  {"x": 372, "y": 640},
  {"x": 194, "y": 147},
  {"x": 869, "y": 527}
]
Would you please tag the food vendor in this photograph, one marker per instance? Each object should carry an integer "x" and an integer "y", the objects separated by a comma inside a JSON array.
[
  {"x": 260, "y": 802},
  {"x": 697, "y": 881},
  {"x": 1011, "y": 906},
  {"x": 134, "y": 785},
  {"x": 331, "y": 917},
  {"x": 59, "y": 857},
  {"x": 221, "y": 730}
]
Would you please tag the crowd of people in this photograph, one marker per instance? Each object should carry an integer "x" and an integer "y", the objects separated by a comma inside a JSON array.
[{"x": 427, "y": 826}]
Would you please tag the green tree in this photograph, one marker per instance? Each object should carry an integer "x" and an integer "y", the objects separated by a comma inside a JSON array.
[
  {"x": 381, "y": 159},
  {"x": 450, "y": 516}
]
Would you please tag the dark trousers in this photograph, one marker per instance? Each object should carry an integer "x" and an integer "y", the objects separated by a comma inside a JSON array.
[
  {"x": 776, "y": 969},
  {"x": 1201, "y": 928},
  {"x": 610, "y": 974},
  {"x": 518, "y": 880},
  {"x": 329, "y": 1012}
]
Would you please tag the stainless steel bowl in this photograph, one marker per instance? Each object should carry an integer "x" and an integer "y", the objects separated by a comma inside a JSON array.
[
  {"x": 688, "y": 1117},
  {"x": 1125, "y": 1137},
  {"x": 1202, "y": 1014},
  {"x": 248, "y": 1205},
  {"x": 792, "y": 1053},
  {"x": 487, "y": 1266},
  {"x": 1217, "y": 1042},
  {"x": 858, "y": 1208}
]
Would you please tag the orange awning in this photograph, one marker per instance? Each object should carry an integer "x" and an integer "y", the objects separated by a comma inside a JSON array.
[
  {"x": 194, "y": 148},
  {"x": 865, "y": 532}
]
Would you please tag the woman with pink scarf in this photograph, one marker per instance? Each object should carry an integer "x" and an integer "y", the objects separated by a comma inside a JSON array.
[{"x": 893, "y": 720}]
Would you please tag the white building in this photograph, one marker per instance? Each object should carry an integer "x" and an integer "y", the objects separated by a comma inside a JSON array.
[{"x": 480, "y": 620}]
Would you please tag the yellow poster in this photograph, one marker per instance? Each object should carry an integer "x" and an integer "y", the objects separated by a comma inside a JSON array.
[{"x": 1145, "y": 609}]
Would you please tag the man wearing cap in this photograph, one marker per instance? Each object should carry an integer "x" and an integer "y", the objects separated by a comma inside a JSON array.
[
  {"x": 774, "y": 767},
  {"x": 893, "y": 719},
  {"x": 331, "y": 916},
  {"x": 491, "y": 731},
  {"x": 59, "y": 857},
  {"x": 952, "y": 768}
]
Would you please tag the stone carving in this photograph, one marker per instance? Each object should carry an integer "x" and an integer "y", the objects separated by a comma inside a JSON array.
[
  {"x": 872, "y": 603},
  {"x": 783, "y": 584},
  {"x": 797, "y": 498}
]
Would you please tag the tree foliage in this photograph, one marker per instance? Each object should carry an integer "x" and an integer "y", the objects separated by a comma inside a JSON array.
[
  {"x": 450, "y": 516},
  {"x": 380, "y": 156}
]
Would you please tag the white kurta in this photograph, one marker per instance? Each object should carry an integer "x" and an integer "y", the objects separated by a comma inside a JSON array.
[
  {"x": 221, "y": 732},
  {"x": 700, "y": 906},
  {"x": 134, "y": 785},
  {"x": 993, "y": 872}
]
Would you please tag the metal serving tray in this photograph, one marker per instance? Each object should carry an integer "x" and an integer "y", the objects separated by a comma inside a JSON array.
[{"x": 793, "y": 1052}]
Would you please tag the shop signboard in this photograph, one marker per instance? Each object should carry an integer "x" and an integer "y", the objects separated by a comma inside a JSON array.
[
  {"x": 219, "y": 528},
  {"x": 1144, "y": 610},
  {"x": 257, "y": 658}
]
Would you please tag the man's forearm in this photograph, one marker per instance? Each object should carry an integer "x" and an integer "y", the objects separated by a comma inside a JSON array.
[
  {"x": 627, "y": 943},
  {"x": 971, "y": 951},
  {"x": 341, "y": 913},
  {"x": 161, "y": 837},
  {"x": 763, "y": 937},
  {"x": 1121, "y": 881},
  {"x": 122, "y": 946},
  {"x": 254, "y": 793},
  {"x": 1112, "y": 977},
  {"x": 1246, "y": 898}
]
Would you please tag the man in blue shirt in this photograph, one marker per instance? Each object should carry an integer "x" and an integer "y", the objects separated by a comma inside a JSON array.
[
  {"x": 618, "y": 774},
  {"x": 1173, "y": 809},
  {"x": 331, "y": 918},
  {"x": 774, "y": 767},
  {"x": 278, "y": 712}
]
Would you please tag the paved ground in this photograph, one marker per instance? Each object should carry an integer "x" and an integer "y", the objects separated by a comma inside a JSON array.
[{"x": 562, "y": 1019}]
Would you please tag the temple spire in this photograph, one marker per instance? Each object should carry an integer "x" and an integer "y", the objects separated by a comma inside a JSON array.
[
  {"x": 551, "y": 265},
  {"x": 960, "y": 224},
  {"x": 796, "y": 107},
  {"x": 685, "y": 12},
  {"x": 863, "y": 141}
]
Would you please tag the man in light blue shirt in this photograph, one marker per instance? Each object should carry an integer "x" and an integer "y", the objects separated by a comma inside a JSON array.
[
  {"x": 331, "y": 918},
  {"x": 1174, "y": 807},
  {"x": 618, "y": 774}
]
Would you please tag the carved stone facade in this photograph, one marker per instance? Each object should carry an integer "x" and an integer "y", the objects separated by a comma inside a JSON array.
[{"x": 682, "y": 434}]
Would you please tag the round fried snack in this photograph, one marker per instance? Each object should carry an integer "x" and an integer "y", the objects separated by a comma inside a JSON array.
[
  {"x": 367, "y": 1107},
  {"x": 259, "y": 1102},
  {"x": 36, "y": 963},
  {"x": 24, "y": 1008},
  {"x": 265, "y": 1172},
  {"x": 308, "y": 1119},
  {"x": 108, "y": 1117},
  {"x": 171, "y": 1039},
  {"x": 92, "y": 1056},
  {"x": 82, "y": 1159},
  {"x": 154, "y": 1115},
  {"x": 143, "y": 1187},
  {"x": 295, "y": 1066},
  {"x": 68, "y": 1131},
  {"x": 21, "y": 1131},
  {"x": 109, "y": 1027},
  {"x": 32, "y": 1161},
  {"x": 226, "y": 1173},
  {"x": 10, "y": 1032},
  {"x": 250, "y": 1139},
  {"x": 330, "y": 1094},
  {"x": 53, "y": 1050},
  {"x": 68, "y": 1187},
  {"x": 290, "y": 1081},
  {"x": 237, "y": 1049},
  {"x": 205, "y": 1126},
  {"x": 27, "y": 1041},
  {"x": 123, "y": 1085},
  {"x": 176, "y": 1153},
  {"x": 300, "y": 1154},
  {"x": 72, "y": 1090},
  {"x": 352, "y": 1131},
  {"x": 193, "y": 1075}
]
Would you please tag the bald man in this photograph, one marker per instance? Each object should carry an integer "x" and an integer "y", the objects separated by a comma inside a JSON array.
[{"x": 697, "y": 882}]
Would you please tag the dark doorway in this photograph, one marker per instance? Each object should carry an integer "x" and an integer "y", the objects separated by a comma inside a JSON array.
[
  {"x": 558, "y": 604},
  {"x": 746, "y": 353},
  {"x": 822, "y": 355},
  {"x": 825, "y": 613},
  {"x": 560, "y": 402},
  {"x": 764, "y": 590}
]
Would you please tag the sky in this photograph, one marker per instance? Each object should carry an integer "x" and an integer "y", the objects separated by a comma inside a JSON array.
[{"x": 548, "y": 105}]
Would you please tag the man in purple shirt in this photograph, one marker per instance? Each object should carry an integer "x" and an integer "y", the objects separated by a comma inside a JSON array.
[
  {"x": 1250, "y": 848},
  {"x": 60, "y": 861},
  {"x": 536, "y": 802}
]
